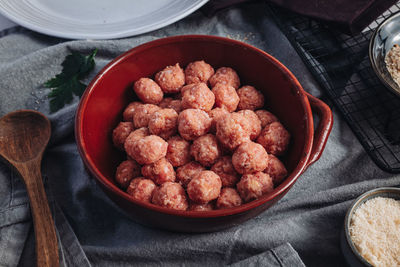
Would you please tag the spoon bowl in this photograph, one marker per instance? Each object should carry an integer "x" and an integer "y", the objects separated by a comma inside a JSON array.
[
  {"x": 15, "y": 127},
  {"x": 24, "y": 135}
]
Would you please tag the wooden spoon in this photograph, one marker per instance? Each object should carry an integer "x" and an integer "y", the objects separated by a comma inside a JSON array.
[{"x": 24, "y": 135}]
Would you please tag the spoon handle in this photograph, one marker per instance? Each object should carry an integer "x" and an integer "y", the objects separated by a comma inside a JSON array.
[{"x": 46, "y": 239}]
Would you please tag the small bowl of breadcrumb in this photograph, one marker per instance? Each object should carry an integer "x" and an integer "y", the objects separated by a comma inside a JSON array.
[
  {"x": 371, "y": 232},
  {"x": 384, "y": 52}
]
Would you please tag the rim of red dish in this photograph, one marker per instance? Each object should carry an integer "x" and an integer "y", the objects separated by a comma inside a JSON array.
[{"x": 285, "y": 185}]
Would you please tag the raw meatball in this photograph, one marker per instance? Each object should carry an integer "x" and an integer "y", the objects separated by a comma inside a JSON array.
[
  {"x": 204, "y": 187},
  {"x": 169, "y": 102},
  {"x": 205, "y": 150},
  {"x": 232, "y": 130},
  {"x": 176, "y": 105},
  {"x": 225, "y": 97},
  {"x": 274, "y": 138},
  {"x": 250, "y": 157},
  {"x": 198, "y": 72},
  {"x": 265, "y": 117},
  {"x": 226, "y": 76},
  {"x": 142, "y": 115},
  {"x": 148, "y": 150},
  {"x": 178, "y": 152},
  {"x": 130, "y": 110},
  {"x": 215, "y": 114},
  {"x": 170, "y": 195},
  {"x": 275, "y": 169},
  {"x": 135, "y": 136},
  {"x": 197, "y": 96},
  {"x": 165, "y": 102},
  {"x": 141, "y": 189},
  {"x": 228, "y": 198},
  {"x": 160, "y": 171},
  {"x": 164, "y": 123},
  {"x": 120, "y": 133},
  {"x": 185, "y": 173},
  {"x": 250, "y": 98},
  {"x": 126, "y": 171},
  {"x": 201, "y": 207},
  {"x": 254, "y": 185},
  {"x": 187, "y": 87},
  {"x": 254, "y": 121},
  {"x": 193, "y": 123},
  {"x": 171, "y": 79},
  {"x": 225, "y": 170},
  {"x": 148, "y": 91}
]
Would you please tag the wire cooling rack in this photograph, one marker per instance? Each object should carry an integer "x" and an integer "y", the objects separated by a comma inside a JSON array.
[{"x": 341, "y": 66}]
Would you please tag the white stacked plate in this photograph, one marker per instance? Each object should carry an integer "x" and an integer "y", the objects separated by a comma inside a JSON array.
[{"x": 96, "y": 19}]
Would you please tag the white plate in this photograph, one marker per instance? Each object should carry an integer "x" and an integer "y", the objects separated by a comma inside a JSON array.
[{"x": 96, "y": 19}]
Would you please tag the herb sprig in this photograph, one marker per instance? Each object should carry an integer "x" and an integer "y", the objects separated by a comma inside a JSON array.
[{"x": 68, "y": 83}]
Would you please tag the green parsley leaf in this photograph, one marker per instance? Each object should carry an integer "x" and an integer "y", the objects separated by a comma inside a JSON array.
[{"x": 66, "y": 84}]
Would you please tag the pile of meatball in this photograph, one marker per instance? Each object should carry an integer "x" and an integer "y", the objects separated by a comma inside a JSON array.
[{"x": 198, "y": 140}]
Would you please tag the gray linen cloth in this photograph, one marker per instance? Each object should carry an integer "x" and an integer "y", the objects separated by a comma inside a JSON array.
[{"x": 93, "y": 231}]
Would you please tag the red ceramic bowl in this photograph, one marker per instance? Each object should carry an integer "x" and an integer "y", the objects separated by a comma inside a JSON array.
[{"x": 110, "y": 91}]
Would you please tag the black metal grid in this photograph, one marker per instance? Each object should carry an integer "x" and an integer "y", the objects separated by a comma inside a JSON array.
[{"x": 341, "y": 65}]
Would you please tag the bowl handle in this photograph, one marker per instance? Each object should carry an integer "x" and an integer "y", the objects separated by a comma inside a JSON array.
[{"x": 323, "y": 129}]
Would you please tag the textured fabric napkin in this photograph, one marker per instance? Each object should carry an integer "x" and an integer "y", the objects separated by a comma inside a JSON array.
[{"x": 93, "y": 231}]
